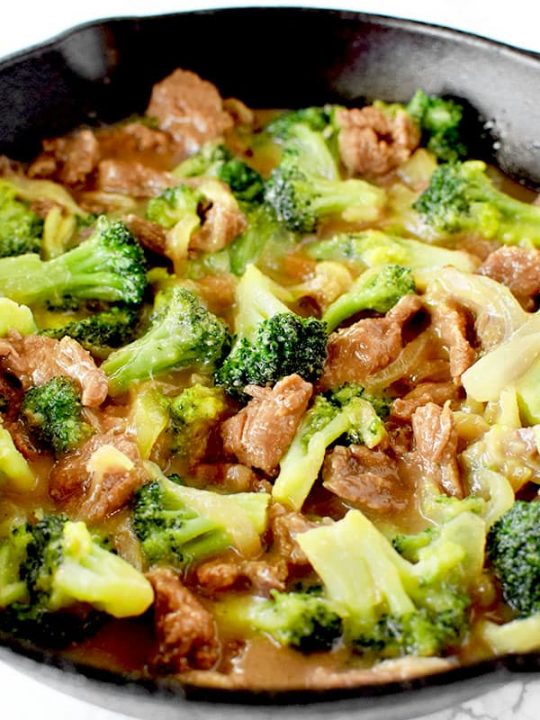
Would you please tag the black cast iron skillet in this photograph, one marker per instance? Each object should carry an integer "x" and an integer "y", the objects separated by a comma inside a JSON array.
[{"x": 272, "y": 57}]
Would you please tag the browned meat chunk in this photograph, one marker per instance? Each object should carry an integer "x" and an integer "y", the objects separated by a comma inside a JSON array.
[
  {"x": 99, "y": 478},
  {"x": 216, "y": 575},
  {"x": 436, "y": 442},
  {"x": 360, "y": 350},
  {"x": 367, "y": 346},
  {"x": 517, "y": 268},
  {"x": 438, "y": 393},
  {"x": 136, "y": 141},
  {"x": 229, "y": 476},
  {"x": 132, "y": 178},
  {"x": 405, "y": 309},
  {"x": 185, "y": 630},
  {"x": 367, "y": 479},
  {"x": 372, "y": 143},
  {"x": 149, "y": 234},
  {"x": 260, "y": 433},
  {"x": 190, "y": 109},
  {"x": 35, "y": 360},
  {"x": 223, "y": 221},
  {"x": 70, "y": 159},
  {"x": 22, "y": 440},
  {"x": 11, "y": 397},
  {"x": 285, "y": 527},
  {"x": 450, "y": 322}
]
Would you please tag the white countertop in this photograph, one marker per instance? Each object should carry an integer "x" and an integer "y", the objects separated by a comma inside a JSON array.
[{"x": 31, "y": 21}]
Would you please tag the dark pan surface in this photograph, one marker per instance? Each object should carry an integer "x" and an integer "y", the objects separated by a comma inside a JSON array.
[{"x": 276, "y": 57}]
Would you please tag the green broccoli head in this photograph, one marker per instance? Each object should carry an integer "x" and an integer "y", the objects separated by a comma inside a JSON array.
[
  {"x": 245, "y": 182},
  {"x": 513, "y": 547},
  {"x": 53, "y": 414},
  {"x": 271, "y": 340},
  {"x": 192, "y": 414},
  {"x": 173, "y": 205},
  {"x": 100, "y": 332},
  {"x": 440, "y": 121},
  {"x": 108, "y": 267},
  {"x": 318, "y": 119},
  {"x": 461, "y": 198},
  {"x": 211, "y": 156},
  {"x": 216, "y": 160},
  {"x": 302, "y": 200},
  {"x": 170, "y": 531},
  {"x": 377, "y": 289},
  {"x": 263, "y": 237},
  {"x": 285, "y": 344},
  {"x": 182, "y": 334},
  {"x": 305, "y": 621},
  {"x": 342, "y": 395},
  {"x": 409, "y": 546},
  {"x": 58, "y": 564},
  {"x": 392, "y": 607},
  {"x": 369, "y": 430},
  {"x": 424, "y": 632},
  {"x": 20, "y": 228}
]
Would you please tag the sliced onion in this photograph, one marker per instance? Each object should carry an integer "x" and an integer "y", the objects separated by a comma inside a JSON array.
[
  {"x": 498, "y": 313},
  {"x": 407, "y": 361}
]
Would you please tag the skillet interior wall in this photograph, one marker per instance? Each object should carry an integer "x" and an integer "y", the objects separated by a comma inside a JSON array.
[{"x": 104, "y": 71}]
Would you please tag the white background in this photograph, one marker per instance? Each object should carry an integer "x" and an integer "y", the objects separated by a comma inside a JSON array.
[{"x": 25, "y": 22}]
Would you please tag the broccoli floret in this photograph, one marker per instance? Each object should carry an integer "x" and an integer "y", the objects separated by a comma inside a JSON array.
[
  {"x": 109, "y": 266},
  {"x": 245, "y": 182},
  {"x": 53, "y": 414},
  {"x": 271, "y": 341},
  {"x": 172, "y": 533},
  {"x": 441, "y": 124},
  {"x": 60, "y": 564},
  {"x": 409, "y": 546},
  {"x": 192, "y": 414},
  {"x": 175, "y": 204},
  {"x": 20, "y": 228},
  {"x": 216, "y": 160},
  {"x": 392, "y": 607},
  {"x": 264, "y": 236},
  {"x": 305, "y": 621},
  {"x": 316, "y": 118},
  {"x": 182, "y": 334},
  {"x": 373, "y": 247},
  {"x": 377, "y": 289},
  {"x": 305, "y": 188},
  {"x": 423, "y": 632},
  {"x": 514, "y": 550},
  {"x": 462, "y": 199},
  {"x": 53, "y": 630},
  {"x": 325, "y": 422},
  {"x": 101, "y": 332},
  {"x": 179, "y": 525},
  {"x": 205, "y": 162},
  {"x": 342, "y": 395}
]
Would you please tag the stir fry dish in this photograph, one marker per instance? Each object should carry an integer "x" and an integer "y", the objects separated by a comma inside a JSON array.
[{"x": 269, "y": 395}]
